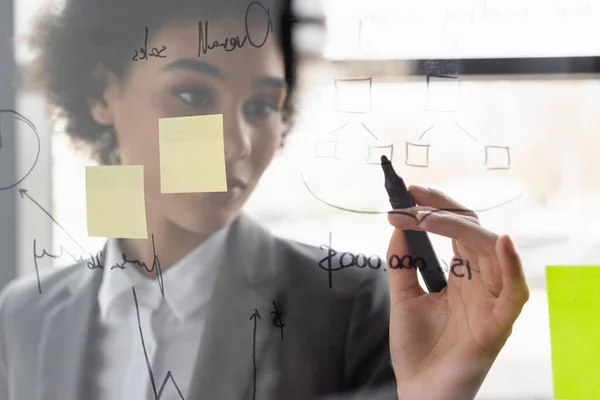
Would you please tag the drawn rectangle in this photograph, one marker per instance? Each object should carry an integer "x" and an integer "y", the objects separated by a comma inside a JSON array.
[
  {"x": 417, "y": 155},
  {"x": 443, "y": 93},
  {"x": 115, "y": 202},
  {"x": 375, "y": 152},
  {"x": 497, "y": 157},
  {"x": 574, "y": 310},
  {"x": 192, "y": 154},
  {"x": 353, "y": 95}
]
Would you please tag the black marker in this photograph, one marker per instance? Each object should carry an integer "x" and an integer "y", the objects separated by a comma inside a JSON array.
[{"x": 418, "y": 242}]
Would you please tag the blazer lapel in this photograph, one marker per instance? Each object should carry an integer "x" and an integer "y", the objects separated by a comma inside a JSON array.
[
  {"x": 235, "y": 336},
  {"x": 64, "y": 337}
]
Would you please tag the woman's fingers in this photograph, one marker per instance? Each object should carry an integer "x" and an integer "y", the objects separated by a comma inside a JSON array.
[
  {"x": 404, "y": 283},
  {"x": 410, "y": 219},
  {"x": 515, "y": 292},
  {"x": 447, "y": 224},
  {"x": 437, "y": 199}
]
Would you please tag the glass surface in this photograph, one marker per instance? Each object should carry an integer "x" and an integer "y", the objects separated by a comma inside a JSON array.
[{"x": 522, "y": 151}]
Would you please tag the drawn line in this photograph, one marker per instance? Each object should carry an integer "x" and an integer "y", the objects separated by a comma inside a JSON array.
[
  {"x": 429, "y": 76},
  {"x": 407, "y": 213},
  {"x": 23, "y": 193},
  {"x": 360, "y": 35},
  {"x": 458, "y": 209},
  {"x": 254, "y": 316},
  {"x": 465, "y": 131},
  {"x": 338, "y": 129},
  {"x": 53, "y": 256},
  {"x": 148, "y": 366},
  {"x": 333, "y": 205},
  {"x": 427, "y": 130},
  {"x": 39, "y": 147},
  {"x": 368, "y": 130}
]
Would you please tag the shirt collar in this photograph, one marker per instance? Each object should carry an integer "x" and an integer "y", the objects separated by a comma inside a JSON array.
[{"x": 188, "y": 284}]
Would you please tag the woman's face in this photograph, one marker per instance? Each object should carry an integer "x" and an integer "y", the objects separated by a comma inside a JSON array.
[{"x": 246, "y": 85}]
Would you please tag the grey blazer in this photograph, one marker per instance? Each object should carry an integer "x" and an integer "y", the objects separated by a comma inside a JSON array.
[{"x": 335, "y": 341}]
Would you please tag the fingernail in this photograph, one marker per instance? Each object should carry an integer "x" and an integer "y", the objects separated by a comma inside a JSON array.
[
  {"x": 510, "y": 244},
  {"x": 422, "y": 214}
]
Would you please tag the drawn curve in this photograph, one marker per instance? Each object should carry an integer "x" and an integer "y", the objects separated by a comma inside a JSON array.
[
  {"x": 407, "y": 213},
  {"x": 39, "y": 145}
]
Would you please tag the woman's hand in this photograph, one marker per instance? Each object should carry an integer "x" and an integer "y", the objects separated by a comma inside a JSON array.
[{"x": 443, "y": 344}]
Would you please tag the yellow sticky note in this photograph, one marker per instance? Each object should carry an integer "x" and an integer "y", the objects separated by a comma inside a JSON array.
[
  {"x": 574, "y": 310},
  {"x": 115, "y": 201},
  {"x": 192, "y": 154}
]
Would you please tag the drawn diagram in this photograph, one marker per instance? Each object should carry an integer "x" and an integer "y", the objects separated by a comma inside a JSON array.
[
  {"x": 353, "y": 96},
  {"x": 347, "y": 174},
  {"x": 444, "y": 95}
]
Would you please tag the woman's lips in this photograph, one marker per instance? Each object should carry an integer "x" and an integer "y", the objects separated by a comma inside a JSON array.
[{"x": 235, "y": 189}]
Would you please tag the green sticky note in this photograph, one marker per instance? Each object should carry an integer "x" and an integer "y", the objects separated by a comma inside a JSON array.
[
  {"x": 115, "y": 201},
  {"x": 192, "y": 154},
  {"x": 574, "y": 310}
]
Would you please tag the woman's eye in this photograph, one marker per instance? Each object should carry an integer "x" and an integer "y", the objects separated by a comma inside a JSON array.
[
  {"x": 260, "y": 108},
  {"x": 199, "y": 97}
]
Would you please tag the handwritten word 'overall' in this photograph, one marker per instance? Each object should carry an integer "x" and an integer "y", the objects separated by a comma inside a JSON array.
[{"x": 233, "y": 42}]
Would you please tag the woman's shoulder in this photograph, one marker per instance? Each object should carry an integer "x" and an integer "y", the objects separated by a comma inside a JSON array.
[{"x": 33, "y": 293}]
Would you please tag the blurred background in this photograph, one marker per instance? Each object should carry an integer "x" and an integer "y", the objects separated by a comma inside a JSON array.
[{"x": 493, "y": 102}]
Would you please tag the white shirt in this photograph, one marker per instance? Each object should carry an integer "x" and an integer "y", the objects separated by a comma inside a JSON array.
[{"x": 172, "y": 327}]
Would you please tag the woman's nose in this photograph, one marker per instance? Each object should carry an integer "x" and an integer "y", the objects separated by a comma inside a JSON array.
[{"x": 236, "y": 139}]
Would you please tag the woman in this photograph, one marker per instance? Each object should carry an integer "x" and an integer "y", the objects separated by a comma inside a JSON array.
[{"x": 241, "y": 314}]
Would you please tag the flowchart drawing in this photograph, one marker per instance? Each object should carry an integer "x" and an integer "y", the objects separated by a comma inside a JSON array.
[{"x": 417, "y": 155}]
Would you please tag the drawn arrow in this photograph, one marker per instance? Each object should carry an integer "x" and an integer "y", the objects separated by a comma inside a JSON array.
[
  {"x": 255, "y": 316},
  {"x": 23, "y": 193}
]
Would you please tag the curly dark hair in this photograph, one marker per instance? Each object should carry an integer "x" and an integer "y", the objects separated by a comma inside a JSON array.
[{"x": 72, "y": 43}]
